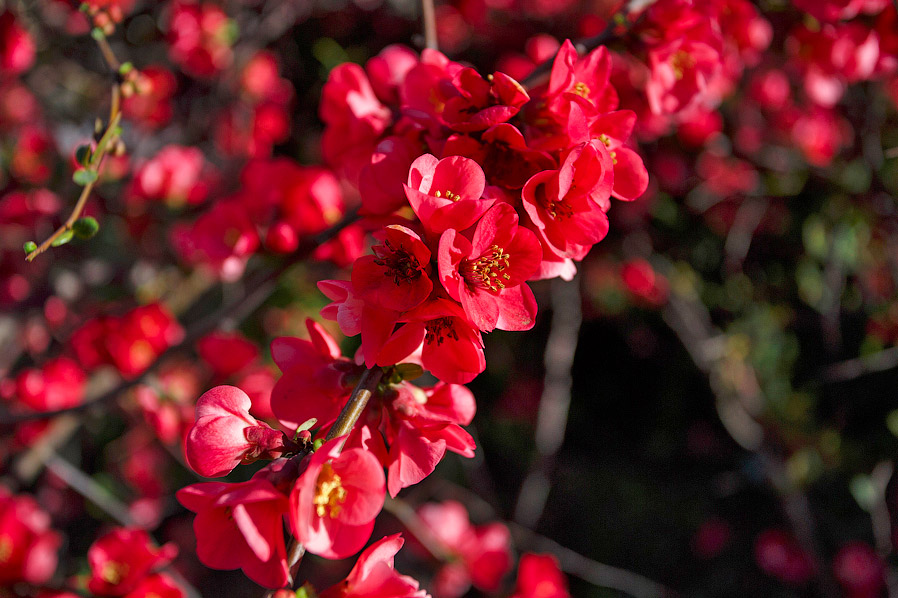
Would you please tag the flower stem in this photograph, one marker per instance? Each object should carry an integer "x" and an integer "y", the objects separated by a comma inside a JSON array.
[
  {"x": 428, "y": 15},
  {"x": 356, "y": 403}
]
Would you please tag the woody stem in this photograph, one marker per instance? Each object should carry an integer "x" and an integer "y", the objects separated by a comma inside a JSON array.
[
  {"x": 428, "y": 15},
  {"x": 356, "y": 403}
]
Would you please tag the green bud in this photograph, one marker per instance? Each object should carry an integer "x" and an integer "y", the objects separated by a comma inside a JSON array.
[
  {"x": 125, "y": 68},
  {"x": 83, "y": 176},
  {"x": 63, "y": 238},
  {"x": 85, "y": 228},
  {"x": 97, "y": 33},
  {"x": 29, "y": 247},
  {"x": 317, "y": 444}
]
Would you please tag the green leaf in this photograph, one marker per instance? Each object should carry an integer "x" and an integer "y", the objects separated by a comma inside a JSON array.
[
  {"x": 307, "y": 425},
  {"x": 29, "y": 246},
  {"x": 125, "y": 68},
  {"x": 85, "y": 228},
  {"x": 409, "y": 371},
  {"x": 63, "y": 238},
  {"x": 97, "y": 33},
  {"x": 83, "y": 176}
]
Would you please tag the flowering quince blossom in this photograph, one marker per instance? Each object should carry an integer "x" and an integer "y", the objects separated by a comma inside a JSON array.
[
  {"x": 122, "y": 558},
  {"x": 225, "y": 434},
  {"x": 483, "y": 553},
  {"x": 335, "y": 500},
  {"x": 373, "y": 575},
  {"x": 486, "y": 273},
  {"x": 27, "y": 543},
  {"x": 240, "y": 526},
  {"x": 446, "y": 193}
]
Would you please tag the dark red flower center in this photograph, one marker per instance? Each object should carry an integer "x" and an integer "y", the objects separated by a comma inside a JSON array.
[{"x": 398, "y": 263}]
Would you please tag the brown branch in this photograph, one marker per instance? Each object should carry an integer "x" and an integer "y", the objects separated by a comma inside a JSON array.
[
  {"x": 554, "y": 404},
  {"x": 356, "y": 404},
  {"x": 347, "y": 419},
  {"x": 96, "y": 159},
  {"x": 428, "y": 15}
]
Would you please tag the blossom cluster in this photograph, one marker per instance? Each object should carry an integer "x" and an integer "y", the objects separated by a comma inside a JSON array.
[
  {"x": 504, "y": 186},
  {"x": 478, "y": 186}
]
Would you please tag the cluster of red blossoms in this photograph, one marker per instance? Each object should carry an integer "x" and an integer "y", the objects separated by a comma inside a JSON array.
[{"x": 480, "y": 186}]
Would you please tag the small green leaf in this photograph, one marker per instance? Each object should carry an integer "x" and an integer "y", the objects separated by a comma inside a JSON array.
[
  {"x": 307, "y": 425},
  {"x": 317, "y": 444},
  {"x": 63, "y": 238},
  {"x": 85, "y": 228},
  {"x": 29, "y": 246},
  {"x": 83, "y": 176},
  {"x": 125, "y": 68},
  {"x": 97, "y": 33},
  {"x": 409, "y": 371}
]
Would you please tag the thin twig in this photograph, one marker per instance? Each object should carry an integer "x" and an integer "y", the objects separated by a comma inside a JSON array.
[
  {"x": 554, "y": 404},
  {"x": 406, "y": 514},
  {"x": 87, "y": 487},
  {"x": 356, "y": 404},
  {"x": 428, "y": 15}
]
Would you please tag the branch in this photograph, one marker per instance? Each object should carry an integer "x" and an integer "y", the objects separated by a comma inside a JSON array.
[
  {"x": 262, "y": 284},
  {"x": 356, "y": 404},
  {"x": 428, "y": 15},
  {"x": 96, "y": 160},
  {"x": 347, "y": 419},
  {"x": 555, "y": 401}
]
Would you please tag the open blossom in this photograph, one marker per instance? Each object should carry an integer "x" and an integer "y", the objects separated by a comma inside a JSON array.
[
  {"x": 446, "y": 193},
  {"x": 27, "y": 543},
  {"x": 240, "y": 526},
  {"x": 486, "y": 273},
  {"x": 335, "y": 500},
  {"x": 122, "y": 558},
  {"x": 568, "y": 206},
  {"x": 483, "y": 553},
  {"x": 396, "y": 276},
  {"x": 225, "y": 434},
  {"x": 373, "y": 575}
]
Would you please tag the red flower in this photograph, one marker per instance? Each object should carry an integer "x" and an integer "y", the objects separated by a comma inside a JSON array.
[
  {"x": 312, "y": 384},
  {"x": 27, "y": 544},
  {"x": 240, "y": 526},
  {"x": 225, "y": 434},
  {"x": 568, "y": 206},
  {"x": 452, "y": 348},
  {"x": 335, "y": 500},
  {"x": 486, "y": 273},
  {"x": 58, "y": 384},
  {"x": 540, "y": 577},
  {"x": 395, "y": 277},
  {"x": 122, "y": 558},
  {"x": 446, "y": 193},
  {"x": 481, "y": 103},
  {"x": 373, "y": 575}
]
